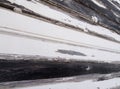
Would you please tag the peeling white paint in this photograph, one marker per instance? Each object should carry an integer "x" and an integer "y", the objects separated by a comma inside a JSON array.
[
  {"x": 65, "y": 18},
  {"x": 38, "y": 29},
  {"x": 89, "y": 84},
  {"x": 98, "y": 3}
]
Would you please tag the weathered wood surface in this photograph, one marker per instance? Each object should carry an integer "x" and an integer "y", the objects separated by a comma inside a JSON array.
[{"x": 20, "y": 67}]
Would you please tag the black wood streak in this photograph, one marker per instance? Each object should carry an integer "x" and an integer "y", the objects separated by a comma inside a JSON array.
[{"x": 17, "y": 70}]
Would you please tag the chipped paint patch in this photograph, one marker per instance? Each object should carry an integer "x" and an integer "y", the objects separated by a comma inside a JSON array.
[{"x": 70, "y": 52}]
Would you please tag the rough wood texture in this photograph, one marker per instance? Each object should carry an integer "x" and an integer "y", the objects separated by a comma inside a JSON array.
[{"x": 87, "y": 9}]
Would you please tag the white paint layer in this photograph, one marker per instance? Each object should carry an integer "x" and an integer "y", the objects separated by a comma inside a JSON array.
[{"x": 89, "y": 84}]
